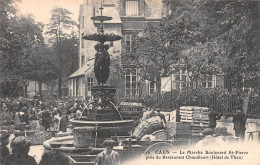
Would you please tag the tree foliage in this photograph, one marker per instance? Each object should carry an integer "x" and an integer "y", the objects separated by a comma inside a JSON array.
[
  {"x": 42, "y": 67},
  {"x": 19, "y": 35},
  {"x": 229, "y": 40},
  {"x": 204, "y": 38},
  {"x": 24, "y": 56},
  {"x": 60, "y": 30},
  {"x": 69, "y": 54},
  {"x": 61, "y": 25}
]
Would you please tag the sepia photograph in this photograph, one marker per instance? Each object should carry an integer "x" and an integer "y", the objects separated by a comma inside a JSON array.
[{"x": 129, "y": 82}]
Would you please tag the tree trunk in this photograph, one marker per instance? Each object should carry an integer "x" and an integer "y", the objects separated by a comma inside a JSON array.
[
  {"x": 25, "y": 91},
  {"x": 51, "y": 90},
  {"x": 20, "y": 91},
  {"x": 59, "y": 86},
  {"x": 26, "y": 83},
  {"x": 60, "y": 68},
  {"x": 40, "y": 89}
]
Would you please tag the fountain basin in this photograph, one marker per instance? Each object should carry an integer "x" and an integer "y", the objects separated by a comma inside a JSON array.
[
  {"x": 106, "y": 128},
  {"x": 102, "y": 37},
  {"x": 67, "y": 146}
]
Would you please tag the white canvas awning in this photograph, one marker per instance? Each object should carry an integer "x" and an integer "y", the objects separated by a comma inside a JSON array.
[{"x": 81, "y": 71}]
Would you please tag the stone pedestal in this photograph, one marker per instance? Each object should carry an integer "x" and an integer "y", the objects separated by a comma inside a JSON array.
[{"x": 104, "y": 103}]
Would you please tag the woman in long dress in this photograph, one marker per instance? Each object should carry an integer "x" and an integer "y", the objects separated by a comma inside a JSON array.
[
  {"x": 34, "y": 122},
  {"x": 56, "y": 121},
  {"x": 17, "y": 118}
]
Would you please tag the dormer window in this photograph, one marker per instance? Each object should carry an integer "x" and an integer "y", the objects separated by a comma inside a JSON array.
[{"x": 132, "y": 7}]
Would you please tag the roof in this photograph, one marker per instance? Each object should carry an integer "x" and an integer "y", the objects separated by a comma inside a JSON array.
[{"x": 81, "y": 71}]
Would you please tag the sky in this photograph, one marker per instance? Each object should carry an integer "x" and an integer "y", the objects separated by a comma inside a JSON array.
[{"x": 41, "y": 9}]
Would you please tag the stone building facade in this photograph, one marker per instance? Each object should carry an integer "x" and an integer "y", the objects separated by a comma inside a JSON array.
[{"x": 128, "y": 16}]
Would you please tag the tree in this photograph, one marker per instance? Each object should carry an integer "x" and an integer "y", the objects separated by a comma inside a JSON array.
[
  {"x": 8, "y": 11},
  {"x": 18, "y": 35},
  {"x": 42, "y": 67},
  {"x": 60, "y": 26},
  {"x": 228, "y": 41},
  {"x": 69, "y": 52},
  {"x": 204, "y": 38},
  {"x": 157, "y": 51}
]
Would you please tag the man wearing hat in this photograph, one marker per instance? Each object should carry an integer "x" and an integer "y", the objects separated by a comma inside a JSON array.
[
  {"x": 162, "y": 116},
  {"x": 4, "y": 151},
  {"x": 108, "y": 156},
  {"x": 20, "y": 149},
  {"x": 54, "y": 157},
  {"x": 213, "y": 117},
  {"x": 239, "y": 120},
  {"x": 46, "y": 119}
]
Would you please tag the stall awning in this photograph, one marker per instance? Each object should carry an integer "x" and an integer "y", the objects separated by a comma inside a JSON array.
[{"x": 81, "y": 71}]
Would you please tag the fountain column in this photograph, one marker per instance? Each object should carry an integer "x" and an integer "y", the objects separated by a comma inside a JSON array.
[{"x": 104, "y": 115}]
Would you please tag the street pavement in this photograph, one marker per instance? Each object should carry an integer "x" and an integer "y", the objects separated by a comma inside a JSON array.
[{"x": 36, "y": 151}]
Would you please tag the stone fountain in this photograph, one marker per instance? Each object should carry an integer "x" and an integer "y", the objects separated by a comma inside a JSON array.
[{"x": 104, "y": 119}]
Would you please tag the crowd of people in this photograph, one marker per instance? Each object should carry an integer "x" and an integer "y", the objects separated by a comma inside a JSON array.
[
  {"x": 53, "y": 115},
  {"x": 42, "y": 115},
  {"x": 20, "y": 147},
  {"x": 49, "y": 115}
]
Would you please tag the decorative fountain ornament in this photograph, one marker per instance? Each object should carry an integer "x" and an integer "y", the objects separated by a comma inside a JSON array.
[
  {"x": 101, "y": 36},
  {"x": 103, "y": 120},
  {"x": 104, "y": 116}
]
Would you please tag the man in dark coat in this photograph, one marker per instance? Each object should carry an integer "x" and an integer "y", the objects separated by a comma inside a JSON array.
[
  {"x": 20, "y": 149},
  {"x": 4, "y": 151},
  {"x": 63, "y": 123},
  {"x": 54, "y": 157},
  {"x": 46, "y": 119},
  {"x": 239, "y": 120},
  {"x": 162, "y": 116},
  {"x": 213, "y": 117}
]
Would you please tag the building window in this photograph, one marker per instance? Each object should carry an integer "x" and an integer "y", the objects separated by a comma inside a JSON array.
[
  {"x": 181, "y": 80},
  {"x": 82, "y": 43},
  {"x": 131, "y": 82},
  {"x": 111, "y": 44},
  {"x": 132, "y": 7},
  {"x": 82, "y": 61},
  {"x": 207, "y": 82},
  {"x": 128, "y": 42},
  {"x": 82, "y": 21},
  {"x": 90, "y": 83},
  {"x": 152, "y": 86}
]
